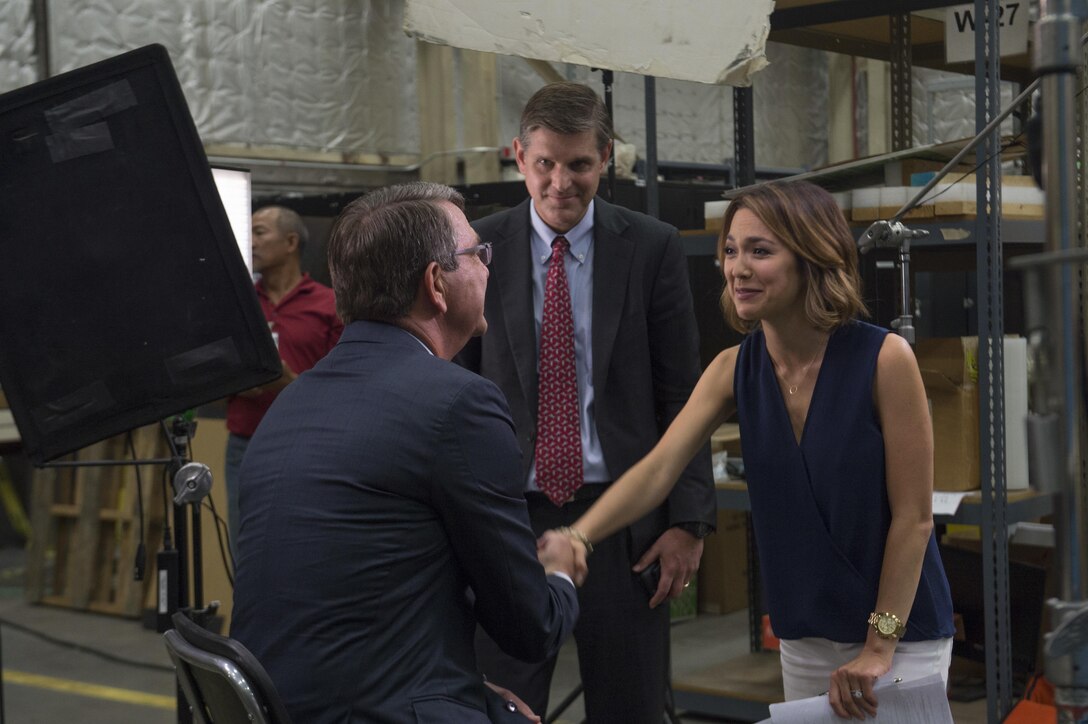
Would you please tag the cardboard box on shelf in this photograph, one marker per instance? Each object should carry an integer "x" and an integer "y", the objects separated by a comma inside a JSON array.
[
  {"x": 953, "y": 406},
  {"x": 727, "y": 438},
  {"x": 865, "y": 204},
  {"x": 952, "y": 198},
  {"x": 949, "y": 367},
  {"x": 714, "y": 214},
  {"x": 723, "y": 572},
  {"x": 883, "y": 202},
  {"x": 1020, "y": 198}
]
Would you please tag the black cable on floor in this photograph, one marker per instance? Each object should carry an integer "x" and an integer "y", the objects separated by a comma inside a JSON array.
[{"x": 85, "y": 649}]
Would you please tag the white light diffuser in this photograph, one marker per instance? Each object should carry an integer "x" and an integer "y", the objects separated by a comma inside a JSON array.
[
  {"x": 234, "y": 189},
  {"x": 709, "y": 41}
]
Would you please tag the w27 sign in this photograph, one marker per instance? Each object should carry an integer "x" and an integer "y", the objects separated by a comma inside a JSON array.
[{"x": 959, "y": 30}]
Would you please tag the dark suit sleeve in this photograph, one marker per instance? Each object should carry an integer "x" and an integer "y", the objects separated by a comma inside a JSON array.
[
  {"x": 674, "y": 358},
  {"x": 477, "y": 491}
]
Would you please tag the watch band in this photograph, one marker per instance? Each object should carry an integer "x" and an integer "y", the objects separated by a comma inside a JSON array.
[{"x": 887, "y": 625}]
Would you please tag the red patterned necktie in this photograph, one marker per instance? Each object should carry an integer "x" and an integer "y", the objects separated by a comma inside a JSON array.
[{"x": 558, "y": 441}]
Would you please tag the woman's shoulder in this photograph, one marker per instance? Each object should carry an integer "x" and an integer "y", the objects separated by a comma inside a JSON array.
[
  {"x": 726, "y": 359},
  {"x": 717, "y": 380},
  {"x": 721, "y": 368},
  {"x": 861, "y": 338},
  {"x": 881, "y": 339},
  {"x": 864, "y": 330},
  {"x": 896, "y": 351}
]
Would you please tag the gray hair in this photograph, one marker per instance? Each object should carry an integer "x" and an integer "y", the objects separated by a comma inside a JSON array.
[
  {"x": 380, "y": 246},
  {"x": 289, "y": 222}
]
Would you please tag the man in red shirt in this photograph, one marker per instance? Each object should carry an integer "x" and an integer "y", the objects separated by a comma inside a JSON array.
[{"x": 301, "y": 314}]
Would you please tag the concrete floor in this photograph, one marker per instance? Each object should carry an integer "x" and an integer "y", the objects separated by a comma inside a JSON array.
[{"x": 61, "y": 665}]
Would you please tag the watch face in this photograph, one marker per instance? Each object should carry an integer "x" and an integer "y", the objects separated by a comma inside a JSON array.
[{"x": 886, "y": 625}]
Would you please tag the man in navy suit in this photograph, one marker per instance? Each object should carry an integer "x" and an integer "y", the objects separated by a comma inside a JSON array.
[
  {"x": 636, "y": 360},
  {"x": 382, "y": 506}
]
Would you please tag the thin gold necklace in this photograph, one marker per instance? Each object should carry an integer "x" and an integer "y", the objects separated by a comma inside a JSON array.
[{"x": 792, "y": 389}]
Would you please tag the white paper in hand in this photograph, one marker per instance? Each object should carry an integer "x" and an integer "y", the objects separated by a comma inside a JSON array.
[{"x": 904, "y": 702}]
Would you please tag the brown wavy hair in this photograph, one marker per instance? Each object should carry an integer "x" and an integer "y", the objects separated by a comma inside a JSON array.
[{"x": 806, "y": 219}]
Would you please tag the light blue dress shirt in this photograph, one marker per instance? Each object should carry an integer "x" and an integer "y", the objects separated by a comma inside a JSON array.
[{"x": 578, "y": 263}]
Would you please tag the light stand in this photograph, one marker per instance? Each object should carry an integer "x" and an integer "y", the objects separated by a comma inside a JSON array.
[
  {"x": 884, "y": 234},
  {"x": 606, "y": 79},
  {"x": 894, "y": 234},
  {"x": 1055, "y": 338},
  {"x": 191, "y": 482}
]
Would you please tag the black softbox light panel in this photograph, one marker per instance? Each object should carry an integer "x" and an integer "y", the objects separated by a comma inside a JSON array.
[{"x": 123, "y": 296}]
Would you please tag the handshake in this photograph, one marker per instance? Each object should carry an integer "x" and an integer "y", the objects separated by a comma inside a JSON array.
[
  {"x": 665, "y": 569},
  {"x": 565, "y": 550}
]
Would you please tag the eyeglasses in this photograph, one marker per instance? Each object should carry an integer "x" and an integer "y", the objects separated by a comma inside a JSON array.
[{"x": 480, "y": 251}]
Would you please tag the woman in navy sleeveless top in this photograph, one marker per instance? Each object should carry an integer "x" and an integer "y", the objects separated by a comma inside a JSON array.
[{"x": 838, "y": 452}]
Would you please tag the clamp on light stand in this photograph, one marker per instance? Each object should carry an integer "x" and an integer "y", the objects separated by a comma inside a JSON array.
[
  {"x": 172, "y": 561},
  {"x": 193, "y": 483},
  {"x": 893, "y": 234},
  {"x": 1065, "y": 648}
]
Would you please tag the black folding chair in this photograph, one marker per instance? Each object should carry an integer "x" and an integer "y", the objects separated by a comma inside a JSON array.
[{"x": 222, "y": 681}]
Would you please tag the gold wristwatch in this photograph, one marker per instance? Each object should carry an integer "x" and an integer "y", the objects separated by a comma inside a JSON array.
[{"x": 887, "y": 625}]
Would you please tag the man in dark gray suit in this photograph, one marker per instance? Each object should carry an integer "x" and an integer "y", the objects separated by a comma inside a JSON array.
[
  {"x": 623, "y": 290},
  {"x": 382, "y": 511}
]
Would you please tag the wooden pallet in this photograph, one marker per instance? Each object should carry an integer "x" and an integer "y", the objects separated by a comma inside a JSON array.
[{"x": 85, "y": 528}]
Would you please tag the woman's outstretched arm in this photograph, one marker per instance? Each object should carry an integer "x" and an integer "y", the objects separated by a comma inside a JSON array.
[{"x": 648, "y": 482}]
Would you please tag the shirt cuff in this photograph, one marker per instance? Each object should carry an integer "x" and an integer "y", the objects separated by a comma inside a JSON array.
[
  {"x": 696, "y": 528},
  {"x": 564, "y": 576}
]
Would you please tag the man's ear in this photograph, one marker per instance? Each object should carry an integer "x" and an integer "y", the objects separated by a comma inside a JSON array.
[
  {"x": 519, "y": 154},
  {"x": 292, "y": 242},
  {"x": 432, "y": 288},
  {"x": 606, "y": 153}
]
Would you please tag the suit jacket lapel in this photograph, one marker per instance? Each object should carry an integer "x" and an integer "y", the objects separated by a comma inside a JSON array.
[
  {"x": 513, "y": 282},
  {"x": 612, "y": 255}
]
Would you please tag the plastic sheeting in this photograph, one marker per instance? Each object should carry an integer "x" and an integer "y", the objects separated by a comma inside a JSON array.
[
  {"x": 943, "y": 106},
  {"x": 695, "y": 120},
  {"x": 339, "y": 76},
  {"x": 702, "y": 40},
  {"x": 18, "y": 61},
  {"x": 314, "y": 75}
]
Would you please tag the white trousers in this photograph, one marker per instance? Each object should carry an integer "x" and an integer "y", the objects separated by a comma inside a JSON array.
[{"x": 807, "y": 664}]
